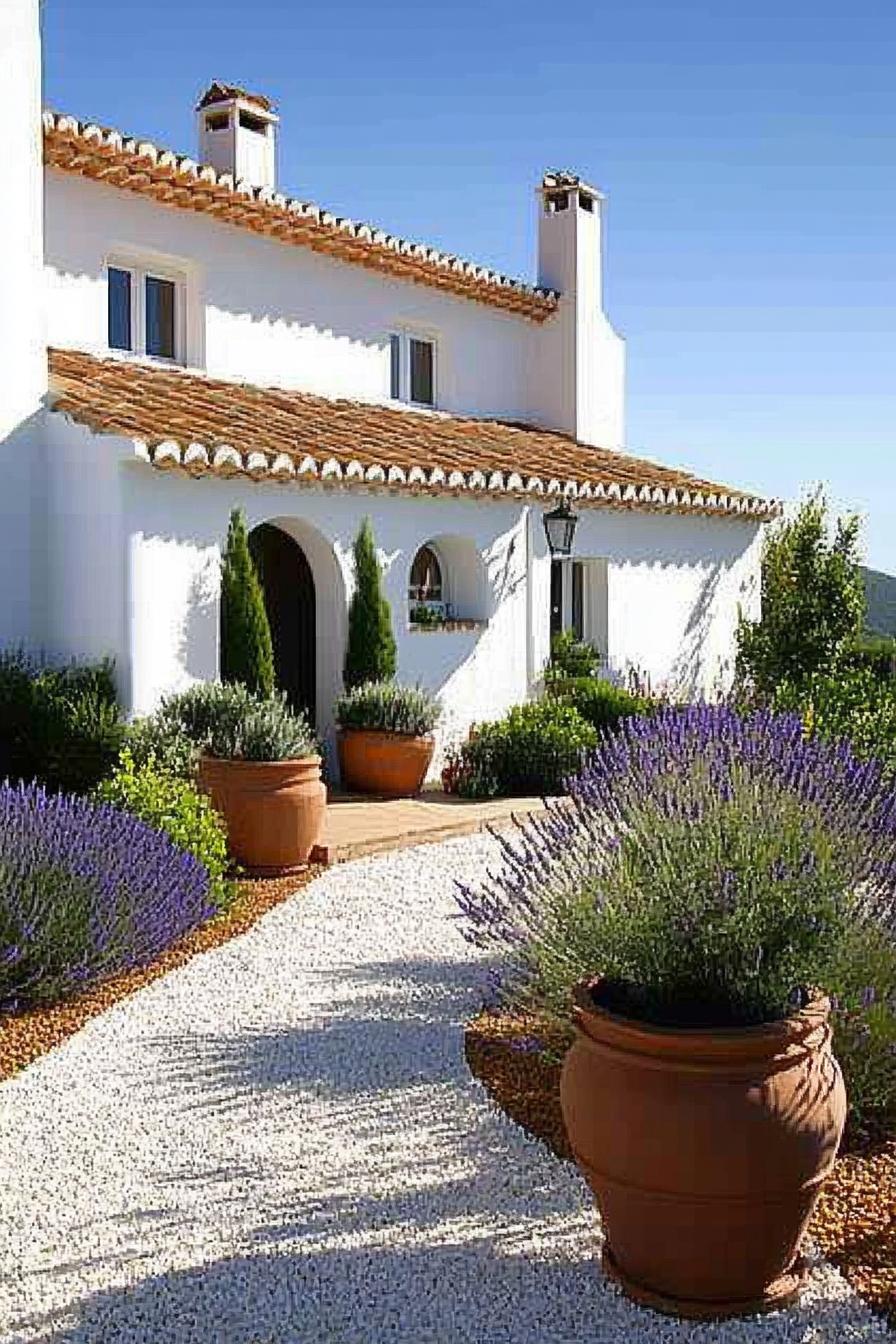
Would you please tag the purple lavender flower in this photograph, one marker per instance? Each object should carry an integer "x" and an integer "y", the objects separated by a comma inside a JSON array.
[{"x": 85, "y": 890}]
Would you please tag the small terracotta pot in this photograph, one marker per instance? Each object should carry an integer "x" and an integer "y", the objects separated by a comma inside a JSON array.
[
  {"x": 706, "y": 1152},
  {"x": 274, "y": 810},
  {"x": 392, "y": 764}
]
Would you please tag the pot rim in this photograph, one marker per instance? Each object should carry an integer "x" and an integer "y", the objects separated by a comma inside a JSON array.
[
  {"x": 389, "y": 733},
  {"x": 289, "y": 761},
  {"x": 700, "y": 1046}
]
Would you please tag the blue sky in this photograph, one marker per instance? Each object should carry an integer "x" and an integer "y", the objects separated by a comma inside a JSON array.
[{"x": 748, "y": 151}]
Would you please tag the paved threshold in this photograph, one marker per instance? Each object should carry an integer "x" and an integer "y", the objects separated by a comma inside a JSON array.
[{"x": 358, "y": 825}]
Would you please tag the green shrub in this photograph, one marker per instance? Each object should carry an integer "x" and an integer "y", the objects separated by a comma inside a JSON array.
[
  {"x": 813, "y": 601},
  {"x": 60, "y": 726},
  {"x": 176, "y": 807},
  {"x": 864, "y": 1023},
  {"x": 389, "y": 708},
  {"x": 852, "y": 704},
  {"x": 370, "y": 652},
  {"x": 429, "y": 617},
  {"x": 599, "y": 702},
  {"x": 532, "y": 750},
  {"x": 231, "y": 722},
  {"x": 571, "y": 657},
  {"x": 877, "y": 653},
  {"x": 160, "y": 740},
  {"x": 247, "y": 650}
]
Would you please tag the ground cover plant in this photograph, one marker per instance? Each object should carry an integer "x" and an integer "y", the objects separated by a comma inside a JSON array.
[
  {"x": 716, "y": 868},
  {"x": 59, "y": 724},
  {"x": 86, "y": 890},
  {"x": 386, "y": 707},
  {"x": 176, "y": 807},
  {"x": 533, "y": 749}
]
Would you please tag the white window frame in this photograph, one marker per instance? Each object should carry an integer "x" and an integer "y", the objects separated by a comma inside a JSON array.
[
  {"x": 405, "y": 335},
  {"x": 140, "y": 270}
]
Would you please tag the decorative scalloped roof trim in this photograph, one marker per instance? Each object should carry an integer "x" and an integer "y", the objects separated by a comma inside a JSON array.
[
  {"x": 199, "y": 460},
  {"x": 106, "y": 155}
]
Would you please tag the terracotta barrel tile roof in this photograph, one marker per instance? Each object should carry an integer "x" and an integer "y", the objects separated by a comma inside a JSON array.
[
  {"x": 134, "y": 165},
  {"x": 186, "y": 420}
]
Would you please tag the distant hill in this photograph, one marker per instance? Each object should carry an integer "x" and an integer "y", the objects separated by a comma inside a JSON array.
[{"x": 880, "y": 590}]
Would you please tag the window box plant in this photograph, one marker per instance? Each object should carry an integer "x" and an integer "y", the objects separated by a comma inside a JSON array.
[
  {"x": 385, "y": 737},
  {"x": 711, "y": 878},
  {"x": 259, "y": 763}
]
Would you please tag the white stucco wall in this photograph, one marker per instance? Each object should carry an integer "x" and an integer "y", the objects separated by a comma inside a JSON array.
[
  {"x": 674, "y": 588},
  {"x": 272, "y": 313},
  {"x": 23, "y": 361},
  {"x": 134, "y": 561}
]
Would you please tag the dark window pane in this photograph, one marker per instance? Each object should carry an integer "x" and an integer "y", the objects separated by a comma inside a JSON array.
[
  {"x": 426, "y": 577},
  {"x": 556, "y": 596},
  {"x": 578, "y": 615},
  {"x": 395, "y": 371},
  {"x": 159, "y": 317},
  {"x": 119, "y": 309},
  {"x": 421, "y": 372}
]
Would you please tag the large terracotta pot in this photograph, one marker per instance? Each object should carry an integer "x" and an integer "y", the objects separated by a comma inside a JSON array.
[
  {"x": 393, "y": 764},
  {"x": 706, "y": 1152},
  {"x": 273, "y": 810}
]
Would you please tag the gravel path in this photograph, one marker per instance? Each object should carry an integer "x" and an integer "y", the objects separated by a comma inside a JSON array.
[{"x": 280, "y": 1141}]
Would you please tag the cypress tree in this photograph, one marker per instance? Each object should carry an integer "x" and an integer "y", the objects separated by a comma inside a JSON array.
[
  {"x": 247, "y": 650},
  {"x": 370, "y": 654}
]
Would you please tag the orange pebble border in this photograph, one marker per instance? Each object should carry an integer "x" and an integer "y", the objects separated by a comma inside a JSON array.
[
  {"x": 29, "y": 1035},
  {"x": 854, "y": 1224}
]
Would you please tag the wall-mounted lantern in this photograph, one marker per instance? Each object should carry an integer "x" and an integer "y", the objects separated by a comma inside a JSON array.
[{"x": 560, "y": 529}]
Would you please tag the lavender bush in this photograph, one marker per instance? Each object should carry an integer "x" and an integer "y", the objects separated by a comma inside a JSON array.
[
  {"x": 715, "y": 868},
  {"x": 86, "y": 890}
]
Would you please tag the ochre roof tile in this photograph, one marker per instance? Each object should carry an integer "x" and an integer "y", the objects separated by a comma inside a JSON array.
[
  {"x": 182, "y": 419},
  {"x": 107, "y": 156}
]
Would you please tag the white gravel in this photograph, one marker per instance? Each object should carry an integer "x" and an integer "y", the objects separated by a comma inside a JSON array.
[{"x": 280, "y": 1141}]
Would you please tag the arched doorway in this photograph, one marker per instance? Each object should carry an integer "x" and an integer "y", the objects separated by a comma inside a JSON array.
[{"x": 289, "y": 599}]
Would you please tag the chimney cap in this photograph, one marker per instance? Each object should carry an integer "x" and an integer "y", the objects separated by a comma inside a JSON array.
[
  {"x": 229, "y": 93},
  {"x": 561, "y": 179}
]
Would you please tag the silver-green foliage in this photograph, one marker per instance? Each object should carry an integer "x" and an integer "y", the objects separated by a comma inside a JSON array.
[
  {"x": 228, "y": 721},
  {"x": 387, "y": 707}
]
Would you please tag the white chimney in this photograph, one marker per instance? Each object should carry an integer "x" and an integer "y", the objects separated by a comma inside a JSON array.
[
  {"x": 580, "y": 374},
  {"x": 238, "y": 134}
]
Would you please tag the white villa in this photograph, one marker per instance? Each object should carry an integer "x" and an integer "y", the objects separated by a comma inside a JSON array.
[{"x": 179, "y": 337}]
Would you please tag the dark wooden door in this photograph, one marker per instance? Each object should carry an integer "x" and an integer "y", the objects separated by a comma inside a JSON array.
[{"x": 290, "y": 603}]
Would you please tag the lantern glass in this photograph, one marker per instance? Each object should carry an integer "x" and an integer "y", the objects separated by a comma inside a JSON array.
[{"x": 560, "y": 529}]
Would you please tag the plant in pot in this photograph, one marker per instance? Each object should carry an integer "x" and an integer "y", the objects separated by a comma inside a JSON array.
[
  {"x": 683, "y": 914},
  {"x": 385, "y": 737},
  {"x": 259, "y": 763}
]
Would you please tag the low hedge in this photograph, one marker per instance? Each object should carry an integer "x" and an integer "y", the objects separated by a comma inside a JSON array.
[
  {"x": 600, "y": 702},
  {"x": 59, "y": 725},
  {"x": 532, "y": 750}
]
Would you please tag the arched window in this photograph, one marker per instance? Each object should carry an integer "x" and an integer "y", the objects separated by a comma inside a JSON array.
[{"x": 425, "y": 584}]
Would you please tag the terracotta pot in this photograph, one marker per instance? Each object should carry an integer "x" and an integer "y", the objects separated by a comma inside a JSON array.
[
  {"x": 273, "y": 810},
  {"x": 392, "y": 764},
  {"x": 706, "y": 1151}
]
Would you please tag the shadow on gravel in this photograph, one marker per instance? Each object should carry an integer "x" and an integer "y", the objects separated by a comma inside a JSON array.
[
  {"x": 346, "y": 1184},
  {"x": 449, "y": 1295}
]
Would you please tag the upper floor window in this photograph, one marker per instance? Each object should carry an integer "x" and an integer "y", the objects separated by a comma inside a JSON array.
[
  {"x": 412, "y": 371},
  {"x": 145, "y": 312}
]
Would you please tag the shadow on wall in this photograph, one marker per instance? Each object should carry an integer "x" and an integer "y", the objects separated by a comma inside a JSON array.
[
  {"x": 197, "y": 647},
  {"x": 688, "y": 676},
  {"x": 451, "y": 1226}
]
